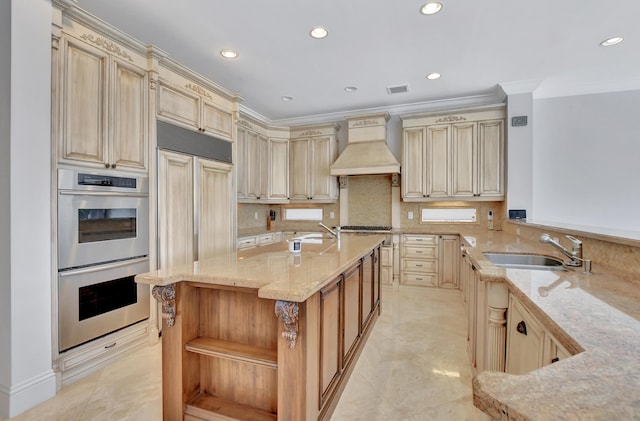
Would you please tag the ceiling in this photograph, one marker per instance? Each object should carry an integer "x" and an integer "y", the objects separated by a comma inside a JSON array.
[{"x": 475, "y": 45}]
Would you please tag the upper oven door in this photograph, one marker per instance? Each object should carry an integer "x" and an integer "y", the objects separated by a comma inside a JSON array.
[{"x": 97, "y": 227}]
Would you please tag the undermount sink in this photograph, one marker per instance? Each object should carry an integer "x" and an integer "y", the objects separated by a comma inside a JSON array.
[{"x": 525, "y": 261}]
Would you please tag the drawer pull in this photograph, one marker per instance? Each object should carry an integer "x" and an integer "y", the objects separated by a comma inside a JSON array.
[
  {"x": 419, "y": 279},
  {"x": 110, "y": 346},
  {"x": 419, "y": 251},
  {"x": 522, "y": 327},
  {"x": 555, "y": 360},
  {"x": 418, "y": 266}
]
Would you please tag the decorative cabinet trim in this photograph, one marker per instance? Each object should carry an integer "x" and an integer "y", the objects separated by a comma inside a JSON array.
[
  {"x": 166, "y": 295},
  {"x": 107, "y": 45},
  {"x": 310, "y": 133},
  {"x": 361, "y": 123},
  {"x": 245, "y": 124},
  {"x": 198, "y": 90},
  {"x": 450, "y": 119},
  {"x": 287, "y": 312}
]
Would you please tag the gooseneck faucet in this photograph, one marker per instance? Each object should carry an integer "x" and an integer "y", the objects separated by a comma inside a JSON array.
[
  {"x": 335, "y": 233},
  {"x": 575, "y": 254}
]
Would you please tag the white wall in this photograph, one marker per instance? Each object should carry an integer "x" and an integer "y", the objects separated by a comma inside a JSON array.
[
  {"x": 27, "y": 377},
  {"x": 519, "y": 151},
  {"x": 586, "y": 163}
]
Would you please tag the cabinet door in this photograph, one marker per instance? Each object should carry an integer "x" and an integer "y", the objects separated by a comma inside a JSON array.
[
  {"x": 214, "y": 212},
  {"x": 84, "y": 105},
  {"x": 491, "y": 158},
  {"x": 278, "y": 169},
  {"x": 464, "y": 161},
  {"x": 175, "y": 209},
  {"x": 323, "y": 183},
  {"x": 216, "y": 121},
  {"x": 367, "y": 289},
  {"x": 128, "y": 125},
  {"x": 330, "y": 355},
  {"x": 179, "y": 106},
  {"x": 300, "y": 157},
  {"x": 525, "y": 339},
  {"x": 413, "y": 161},
  {"x": 351, "y": 312},
  {"x": 449, "y": 258},
  {"x": 253, "y": 165},
  {"x": 241, "y": 163},
  {"x": 263, "y": 163},
  {"x": 438, "y": 161}
]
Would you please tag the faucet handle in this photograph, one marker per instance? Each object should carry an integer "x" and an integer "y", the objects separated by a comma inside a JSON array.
[{"x": 575, "y": 243}]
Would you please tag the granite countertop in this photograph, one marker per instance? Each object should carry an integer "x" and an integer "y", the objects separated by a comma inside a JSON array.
[
  {"x": 596, "y": 316},
  {"x": 276, "y": 273}
]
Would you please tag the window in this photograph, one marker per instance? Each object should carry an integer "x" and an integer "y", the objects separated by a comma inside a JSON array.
[
  {"x": 448, "y": 215},
  {"x": 305, "y": 214}
]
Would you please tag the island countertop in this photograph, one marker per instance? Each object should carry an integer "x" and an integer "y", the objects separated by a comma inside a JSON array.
[{"x": 273, "y": 270}]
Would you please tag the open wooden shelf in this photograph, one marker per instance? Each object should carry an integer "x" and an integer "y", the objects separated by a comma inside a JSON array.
[
  {"x": 234, "y": 351},
  {"x": 210, "y": 408}
]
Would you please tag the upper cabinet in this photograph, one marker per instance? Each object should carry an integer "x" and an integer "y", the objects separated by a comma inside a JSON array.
[
  {"x": 100, "y": 92},
  {"x": 262, "y": 164},
  {"x": 195, "y": 108},
  {"x": 454, "y": 156},
  {"x": 312, "y": 151}
]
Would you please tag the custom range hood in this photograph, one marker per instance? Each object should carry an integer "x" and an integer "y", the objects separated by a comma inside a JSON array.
[{"x": 367, "y": 151}]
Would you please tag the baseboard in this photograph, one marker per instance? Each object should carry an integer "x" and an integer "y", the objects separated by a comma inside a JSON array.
[{"x": 18, "y": 398}]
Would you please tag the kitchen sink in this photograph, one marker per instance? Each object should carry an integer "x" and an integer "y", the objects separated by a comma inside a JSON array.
[{"x": 525, "y": 261}]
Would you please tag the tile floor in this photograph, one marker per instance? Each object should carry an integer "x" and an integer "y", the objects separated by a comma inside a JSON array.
[{"x": 414, "y": 367}]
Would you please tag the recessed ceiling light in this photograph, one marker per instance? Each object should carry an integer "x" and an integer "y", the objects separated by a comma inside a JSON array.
[
  {"x": 611, "y": 41},
  {"x": 351, "y": 88},
  {"x": 229, "y": 53},
  {"x": 287, "y": 98},
  {"x": 318, "y": 32},
  {"x": 433, "y": 76},
  {"x": 431, "y": 8}
]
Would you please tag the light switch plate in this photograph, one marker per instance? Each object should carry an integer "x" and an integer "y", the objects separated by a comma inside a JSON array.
[
  {"x": 410, "y": 215},
  {"x": 332, "y": 215}
]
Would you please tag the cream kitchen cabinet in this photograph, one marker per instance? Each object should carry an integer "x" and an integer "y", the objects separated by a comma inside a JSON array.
[
  {"x": 457, "y": 156},
  {"x": 194, "y": 208},
  {"x": 194, "y": 108},
  {"x": 312, "y": 151},
  {"x": 529, "y": 345},
  {"x": 419, "y": 260},
  {"x": 262, "y": 163},
  {"x": 449, "y": 267},
  {"x": 386, "y": 265},
  {"x": 102, "y": 97}
]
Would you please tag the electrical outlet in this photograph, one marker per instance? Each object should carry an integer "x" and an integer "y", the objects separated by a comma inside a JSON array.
[
  {"x": 256, "y": 215},
  {"x": 409, "y": 215},
  {"x": 332, "y": 215}
]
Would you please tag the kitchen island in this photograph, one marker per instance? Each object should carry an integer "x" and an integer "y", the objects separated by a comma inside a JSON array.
[{"x": 265, "y": 334}]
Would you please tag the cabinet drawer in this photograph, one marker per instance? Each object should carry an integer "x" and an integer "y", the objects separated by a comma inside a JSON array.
[
  {"x": 416, "y": 252},
  {"x": 422, "y": 266},
  {"x": 421, "y": 239},
  {"x": 246, "y": 242},
  {"x": 420, "y": 279},
  {"x": 264, "y": 239}
]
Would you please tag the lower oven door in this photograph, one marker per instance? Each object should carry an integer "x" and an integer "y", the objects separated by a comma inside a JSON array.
[{"x": 97, "y": 300}]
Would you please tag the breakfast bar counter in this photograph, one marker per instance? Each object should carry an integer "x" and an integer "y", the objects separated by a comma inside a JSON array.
[{"x": 263, "y": 333}]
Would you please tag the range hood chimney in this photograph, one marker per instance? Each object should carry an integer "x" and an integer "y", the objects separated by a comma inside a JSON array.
[{"x": 367, "y": 151}]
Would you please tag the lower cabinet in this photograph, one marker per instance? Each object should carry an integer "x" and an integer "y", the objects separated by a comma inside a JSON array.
[
  {"x": 386, "y": 265},
  {"x": 430, "y": 260},
  {"x": 529, "y": 345}
]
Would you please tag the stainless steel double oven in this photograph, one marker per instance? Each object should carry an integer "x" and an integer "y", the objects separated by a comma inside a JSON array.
[{"x": 103, "y": 242}]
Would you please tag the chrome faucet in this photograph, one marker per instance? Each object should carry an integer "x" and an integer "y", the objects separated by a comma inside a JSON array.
[
  {"x": 335, "y": 233},
  {"x": 575, "y": 254}
]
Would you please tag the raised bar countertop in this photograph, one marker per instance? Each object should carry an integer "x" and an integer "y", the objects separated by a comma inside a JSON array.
[
  {"x": 276, "y": 273},
  {"x": 595, "y": 316}
]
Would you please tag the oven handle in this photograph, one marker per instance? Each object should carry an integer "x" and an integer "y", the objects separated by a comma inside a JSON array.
[
  {"x": 100, "y": 268},
  {"x": 101, "y": 193}
]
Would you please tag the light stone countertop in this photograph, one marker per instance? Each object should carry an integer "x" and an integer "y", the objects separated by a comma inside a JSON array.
[
  {"x": 276, "y": 273},
  {"x": 595, "y": 316}
]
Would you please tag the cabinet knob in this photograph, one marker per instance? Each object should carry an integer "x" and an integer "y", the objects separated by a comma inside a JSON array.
[
  {"x": 113, "y": 165},
  {"x": 107, "y": 165},
  {"x": 555, "y": 360},
  {"x": 522, "y": 327}
]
